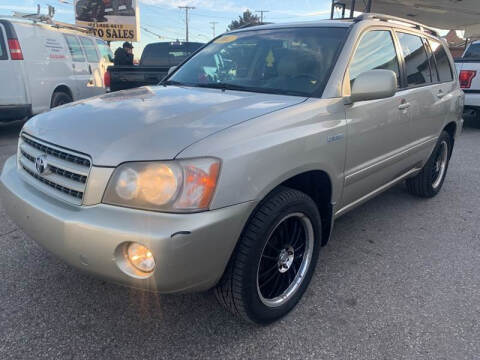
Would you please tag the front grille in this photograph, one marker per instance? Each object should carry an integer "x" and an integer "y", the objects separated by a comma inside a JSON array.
[{"x": 61, "y": 172}]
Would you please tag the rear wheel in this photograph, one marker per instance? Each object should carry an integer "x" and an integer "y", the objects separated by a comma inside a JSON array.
[
  {"x": 430, "y": 180},
  {"x": 274, "y": 260},
  {"x": 60, "y": 98}
]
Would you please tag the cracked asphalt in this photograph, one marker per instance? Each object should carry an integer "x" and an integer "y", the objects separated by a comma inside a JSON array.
[{"x": 400, "y": 279}]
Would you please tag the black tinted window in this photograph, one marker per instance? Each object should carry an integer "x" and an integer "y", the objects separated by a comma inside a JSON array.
[
  {"x": 431, "y": 61},
  {"x": 167, "y": 54},
  {"x": 473, "y": 52},
  {"x": 443, "y": 63},
  {"x": 416, "y": 61},
  {"x": 375, "y": 51}
]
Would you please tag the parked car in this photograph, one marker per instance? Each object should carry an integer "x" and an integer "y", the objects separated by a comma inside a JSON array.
[
  {"x": 468, "y": 67},
  {"x": 231, "y": 173},
  {"x": 43, "y": 66},
  {"x": 156, "y": 60}
]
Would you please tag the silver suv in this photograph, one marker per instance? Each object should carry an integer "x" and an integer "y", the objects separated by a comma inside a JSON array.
[{"x": 230, "y": 173}]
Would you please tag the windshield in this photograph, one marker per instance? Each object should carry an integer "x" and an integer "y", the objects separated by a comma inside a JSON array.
[{"x": 295, "y": 61}]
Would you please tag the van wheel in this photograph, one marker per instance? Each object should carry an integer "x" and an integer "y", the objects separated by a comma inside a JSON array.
[
  {"x": 430, "y": 180},
  {"x": 274, "y": 259},
  {"x": 60, "y": 98}
]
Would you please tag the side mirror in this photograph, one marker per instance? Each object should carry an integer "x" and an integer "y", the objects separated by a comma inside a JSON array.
[
  {"x": 374, "y": 84},
  {"x": 172, "y": 69}
]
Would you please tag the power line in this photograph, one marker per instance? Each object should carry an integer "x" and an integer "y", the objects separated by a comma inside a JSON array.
[
  {"x": 261, "y": 14},
  {"x": 186, "y": 8},
  {"x": 213, "y": 26}
]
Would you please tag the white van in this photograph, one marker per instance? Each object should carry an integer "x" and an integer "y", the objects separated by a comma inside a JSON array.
[{"x": 43, "y": 66}]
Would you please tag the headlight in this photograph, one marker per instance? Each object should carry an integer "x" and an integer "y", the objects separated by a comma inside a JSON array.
[{"x": 173, "y": 186}]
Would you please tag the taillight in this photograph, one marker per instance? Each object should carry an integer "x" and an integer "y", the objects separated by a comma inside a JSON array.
[
  {"x": 15, "y": 49},
  {"x": 106, "y": 78},
  {"x": 466, "y": 77}
]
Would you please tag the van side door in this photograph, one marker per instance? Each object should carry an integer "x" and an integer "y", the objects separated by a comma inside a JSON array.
[
  {"x": 378, "y": 130},
  {"x": 80, "y": 70},
  {"x": 93, "y": 58}
]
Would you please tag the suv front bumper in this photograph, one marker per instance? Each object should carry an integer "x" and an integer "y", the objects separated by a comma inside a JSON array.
[{"x": 88, "y": 237}]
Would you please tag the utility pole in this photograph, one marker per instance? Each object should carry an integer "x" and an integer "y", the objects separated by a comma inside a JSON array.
[
  {"x": 186, "y": 8},
  {"x": 213, "y": 26},
  {"x": 261, "y": 14}
]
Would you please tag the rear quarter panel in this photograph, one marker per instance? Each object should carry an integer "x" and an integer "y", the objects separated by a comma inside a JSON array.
[
  {"x": 259, "y": 154},
  {"x": 12, "y": 76}
]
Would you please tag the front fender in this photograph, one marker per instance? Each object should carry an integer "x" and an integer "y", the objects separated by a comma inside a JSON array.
[{"x": 262, "y": 153}]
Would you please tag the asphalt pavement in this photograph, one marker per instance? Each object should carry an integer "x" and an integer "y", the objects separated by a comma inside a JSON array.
[{"x": 400, "y": 279}]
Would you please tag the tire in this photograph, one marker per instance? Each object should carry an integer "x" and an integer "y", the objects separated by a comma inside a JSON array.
[
  {"x": 259, "y": 274},
  {"x": 60, "y": 98},
  {"x": 429, "y": 181}
]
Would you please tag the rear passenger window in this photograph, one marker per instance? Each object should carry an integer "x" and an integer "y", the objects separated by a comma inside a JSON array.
[
  {"x": 90, "y": 50},
  {"x": 375, "y": 51},
  {"x": 431, "y": 61},
  {"x": 3, "y": 51},
  {"x": 74, "y": 47},
  {"x": 416, "y": 60},
  {"x": 443, "y": 63}
]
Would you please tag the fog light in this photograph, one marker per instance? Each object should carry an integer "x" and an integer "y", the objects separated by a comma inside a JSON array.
[{"x": 141, "y": 257}]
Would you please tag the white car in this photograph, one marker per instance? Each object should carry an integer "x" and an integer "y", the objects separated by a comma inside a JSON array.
[
  {"x": 468, "y": 68},
  {"x": 44, "y": 66}
]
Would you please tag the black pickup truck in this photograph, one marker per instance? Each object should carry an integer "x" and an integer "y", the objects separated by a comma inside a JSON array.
[{"x": 156, "y": 59}]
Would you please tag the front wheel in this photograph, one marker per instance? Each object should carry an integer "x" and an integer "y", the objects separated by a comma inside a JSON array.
[
  {"x": 60, "y": 98},
  {"x": 274, "y": 259},
  {"x": 430, "y": 180}
]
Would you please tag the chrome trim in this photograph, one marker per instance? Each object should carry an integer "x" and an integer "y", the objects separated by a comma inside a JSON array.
[{"x": 66, "y": 173}]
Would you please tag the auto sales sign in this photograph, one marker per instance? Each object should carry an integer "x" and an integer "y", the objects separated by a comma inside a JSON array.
[{"x": 111, "y": 20}]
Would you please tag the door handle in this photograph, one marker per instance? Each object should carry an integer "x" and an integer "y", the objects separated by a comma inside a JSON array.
[
  {"x": 404, "y": 106},
  {"x": 440, "y": 94},
  {"x": 90, "y": 68}
]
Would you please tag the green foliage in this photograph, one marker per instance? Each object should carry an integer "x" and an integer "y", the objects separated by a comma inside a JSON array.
[{"x": 247, "y": 19}]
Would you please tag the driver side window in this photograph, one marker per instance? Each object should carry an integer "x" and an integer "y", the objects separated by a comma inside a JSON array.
[{"x": 375, "y": 51}]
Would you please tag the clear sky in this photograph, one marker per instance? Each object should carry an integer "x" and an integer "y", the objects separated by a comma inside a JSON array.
[{"x": 164, "y": 18}]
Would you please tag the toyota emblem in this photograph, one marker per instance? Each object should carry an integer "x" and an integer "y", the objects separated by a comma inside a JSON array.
[{"x": 41, "y": 164}]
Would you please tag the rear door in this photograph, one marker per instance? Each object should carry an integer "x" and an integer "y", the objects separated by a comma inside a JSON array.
[
  {"x": 80, "y": 68},
  {"x": 93, "y": 58},
  {"x": 422, "y": 92},
  {"x": 12, "y": 86}
]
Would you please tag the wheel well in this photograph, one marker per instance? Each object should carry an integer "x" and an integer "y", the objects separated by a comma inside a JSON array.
[
  {"x": 63, "y": 88},
  {"x": 451, "y": 129},
  {"x": 318, "y": 186}
]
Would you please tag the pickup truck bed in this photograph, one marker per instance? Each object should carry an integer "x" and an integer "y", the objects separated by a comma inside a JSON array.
[
  {"x": 128, "y": 77},
  {"x": 156, "y": 59}
]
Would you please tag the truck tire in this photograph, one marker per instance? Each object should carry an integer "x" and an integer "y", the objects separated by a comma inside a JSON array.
[
  {"x": 429, "y": 181},
  {"x": 274, "y": 260},
  {"x": 60, "y": 98}
]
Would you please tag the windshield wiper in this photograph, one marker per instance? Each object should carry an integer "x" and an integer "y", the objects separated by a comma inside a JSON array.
[
  {"x": 222, "y": 86},
  {"x": 171, "y": 82},
  {"x": 256, "y": 89}
]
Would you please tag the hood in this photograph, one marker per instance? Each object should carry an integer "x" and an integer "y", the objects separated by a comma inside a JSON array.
[{"x": 150, "y": 123}]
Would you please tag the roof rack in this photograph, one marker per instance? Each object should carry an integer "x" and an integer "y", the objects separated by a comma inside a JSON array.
[
  {"x": 382, "y": 17},
  {"x": 48, "y": 19}
]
